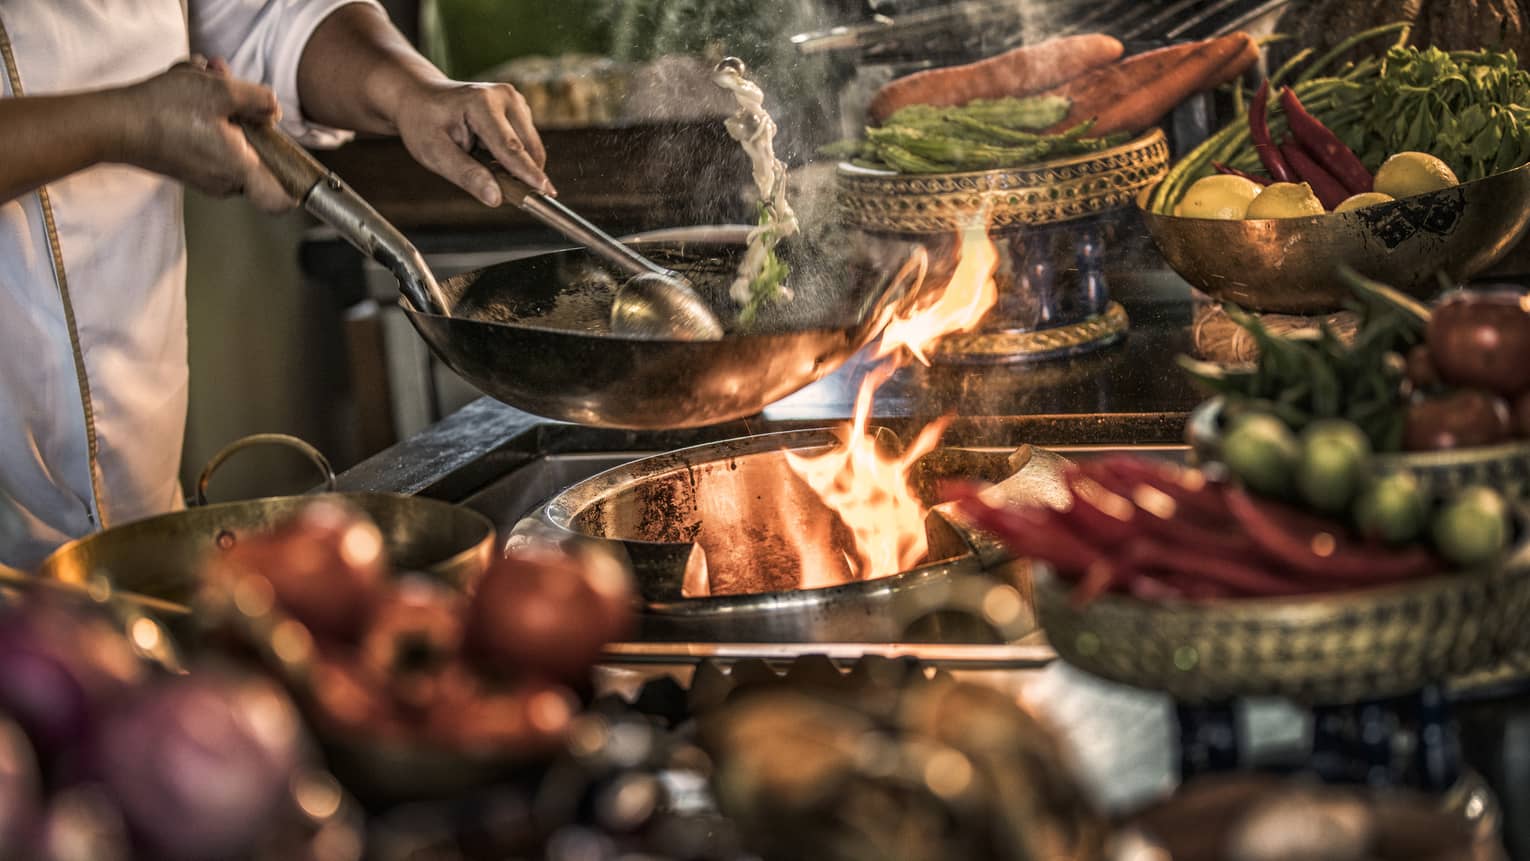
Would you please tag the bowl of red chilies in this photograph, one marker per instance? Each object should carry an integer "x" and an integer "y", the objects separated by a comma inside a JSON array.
[
  {"x": 1172, "y": 579},
  {"x": 1287, "y": 265}
]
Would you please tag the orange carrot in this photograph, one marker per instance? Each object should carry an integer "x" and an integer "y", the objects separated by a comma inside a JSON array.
[
  {"x": 1136, "y": 92},
  {"x": 1020, "y": 72}
]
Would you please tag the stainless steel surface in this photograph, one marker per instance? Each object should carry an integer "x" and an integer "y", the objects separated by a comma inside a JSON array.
[
  {"x": 329, "y": 199},
  {"x": 1288, "y": 264},
  {"x": 662, "y": 306},
  {"x": 333, "y": 203},
  {"x": 729, "y": 544}
]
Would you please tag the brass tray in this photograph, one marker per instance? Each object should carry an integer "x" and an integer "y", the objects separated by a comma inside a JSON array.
[
  {"x": 1343, "y": 647},
  {"x": 1047, "y": 192}
]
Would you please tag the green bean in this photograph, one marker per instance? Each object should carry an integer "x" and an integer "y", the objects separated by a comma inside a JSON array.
[
  {"x": 1286, "y": 69},
  {"x": 1349, "y": 44}
]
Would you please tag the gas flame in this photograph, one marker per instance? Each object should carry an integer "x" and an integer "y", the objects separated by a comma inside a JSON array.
[
  {"x": 867, "y": 487},
  {"x": 960, "y": 307}
]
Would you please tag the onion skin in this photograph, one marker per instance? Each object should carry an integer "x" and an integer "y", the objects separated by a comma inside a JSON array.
[
  {"x": 1461, "y": 419},
  {"x": 60, "y": 666},
  {"x": 199, "y": 765},
  {"x": 326, "y": 568},
  {"x": 20, "y": 797},
  {"x": 537, "y": 613},
  {"x": 414, "y": 637},
  {"x": 1482, "y": 341}
]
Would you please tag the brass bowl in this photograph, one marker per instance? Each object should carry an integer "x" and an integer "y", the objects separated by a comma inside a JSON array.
[
  {"x": 1505, "y": 466},
  {"x": 1320, "y": 650},
  {"x": 1043, "y": 193},
  {"x": 1288, "y": 264}
]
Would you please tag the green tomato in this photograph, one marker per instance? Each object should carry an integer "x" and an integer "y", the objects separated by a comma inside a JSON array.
[
  {"x": 1262, "y": 452},
  {"x": 1472, "y": 530},
  {"x": 1394, "y": 508},
  {"x": 1335, "y": 460}
]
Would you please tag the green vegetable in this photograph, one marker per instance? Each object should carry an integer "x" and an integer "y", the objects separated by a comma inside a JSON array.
[
  {"x": 767, "y": 286},
  {"x": 1335, "y": 459},
  {"x": 1262, "y": 452},
  {"x": 1472, "y": 530},
  {"x": 1311, "y": 375},
  {"x": 981, "y": 135},
  {"x": 1394, "y": 509},
  {"x": 1469, "y": 108}
]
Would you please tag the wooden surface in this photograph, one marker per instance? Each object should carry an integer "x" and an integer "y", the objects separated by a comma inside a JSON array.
[{"x": 640, "y": 177}]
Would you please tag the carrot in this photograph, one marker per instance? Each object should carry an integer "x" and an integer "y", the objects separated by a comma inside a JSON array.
[
  {"x": 1136, "y": 92},
  {"x": 1020, "y": 72}
]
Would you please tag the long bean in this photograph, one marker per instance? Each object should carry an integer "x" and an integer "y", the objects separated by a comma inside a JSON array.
[{"x": 1339, "y": 50}]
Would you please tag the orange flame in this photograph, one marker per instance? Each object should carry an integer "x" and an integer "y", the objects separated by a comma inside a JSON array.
[
  {"x": 960, "y": 307},
  {"x": 868, "y": 488}
]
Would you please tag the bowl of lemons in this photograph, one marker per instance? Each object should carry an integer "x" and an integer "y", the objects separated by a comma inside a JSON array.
[{"x": 1275, "y": 247}]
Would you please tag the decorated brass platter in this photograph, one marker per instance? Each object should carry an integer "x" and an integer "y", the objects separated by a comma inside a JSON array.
[
  {"x": 1043, "y": 193},
  {"x": 1287, "y": 264},
  {"x": 1325, "y": 649}
]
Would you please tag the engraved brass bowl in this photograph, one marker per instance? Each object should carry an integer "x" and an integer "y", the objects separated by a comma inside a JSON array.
[
  {"x": 1319, "y": 650},
  {"x": 1047, "y": 192},
  {"x": 1287, "y": 264}
]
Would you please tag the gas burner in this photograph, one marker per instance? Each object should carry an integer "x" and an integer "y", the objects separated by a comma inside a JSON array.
[{"x": 735, "y": 516}]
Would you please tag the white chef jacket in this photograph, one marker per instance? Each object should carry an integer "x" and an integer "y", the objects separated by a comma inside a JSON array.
[{"x": 120, "y": 242}]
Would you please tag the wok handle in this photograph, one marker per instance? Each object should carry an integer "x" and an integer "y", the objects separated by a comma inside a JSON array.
[
  {"x": 243, "y": 443},
  {"x": 333, "y": 202},
  {"x": 572, "y": 225},
  {"x": 296, "y": 170}
]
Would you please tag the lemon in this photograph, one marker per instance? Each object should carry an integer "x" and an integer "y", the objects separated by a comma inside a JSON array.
[
  {"x": 1362, "y": 200},
  {"x": 1285, "y": 200},
  {"x": 1410, "y": 173},
  {"x": 1223, "y": 196}
]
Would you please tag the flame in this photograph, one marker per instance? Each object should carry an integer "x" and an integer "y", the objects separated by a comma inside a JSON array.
[
  {"x": 867, "y": 487},
  {"x": 960, "y": 307}
]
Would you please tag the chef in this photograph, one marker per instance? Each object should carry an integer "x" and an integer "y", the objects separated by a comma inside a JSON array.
[{"x": 105, "y": 112}]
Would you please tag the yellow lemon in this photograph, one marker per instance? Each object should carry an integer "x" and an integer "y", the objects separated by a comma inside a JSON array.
[
  {"x": 1362, "y": 200},
  {"x": 1224, "y": 196},
  {"x": 1285, "y": 200},
  {"x": 1410, "y": 173}
]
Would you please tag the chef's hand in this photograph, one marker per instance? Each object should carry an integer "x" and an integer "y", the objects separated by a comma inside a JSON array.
[
  {"x": 443, "y": 122},
  {"x": 184, "y": 123}
]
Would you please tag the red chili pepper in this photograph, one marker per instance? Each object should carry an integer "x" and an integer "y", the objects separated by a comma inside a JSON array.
[
  {"x": 1328, "y": 189},
  {"x": 1241, "y": 577},
  {"x": 1222, "y": 168},
  {"x": 1324, "y": 146},
  {"x": 1319, "y": 550},
  {"x": 1259, "y": 131}
]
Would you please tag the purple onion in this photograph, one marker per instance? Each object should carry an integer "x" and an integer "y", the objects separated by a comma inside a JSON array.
[
  {"x": 19, "y": 788},
  {"x": 201, "y": 764},
  {"x": 59, "y": 665},
  {"x": 82, "y": 824}
]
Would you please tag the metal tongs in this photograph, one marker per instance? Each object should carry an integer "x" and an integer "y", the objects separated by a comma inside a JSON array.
[{"x": 655, "y": 303}]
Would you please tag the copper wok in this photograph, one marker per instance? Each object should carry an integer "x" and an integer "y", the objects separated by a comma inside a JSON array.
[{"x": 535, "y": 334}]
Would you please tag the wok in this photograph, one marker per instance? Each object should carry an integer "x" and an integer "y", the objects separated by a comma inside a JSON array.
[
  {"x": 155, "y": 562},
  {"x": 535, "y": 333}
]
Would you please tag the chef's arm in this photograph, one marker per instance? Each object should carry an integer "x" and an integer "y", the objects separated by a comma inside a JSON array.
[
  {"x": 48, "y": 137},
  {"x": 180, "y": 123},
  {"x": 358, "y": 72}
]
